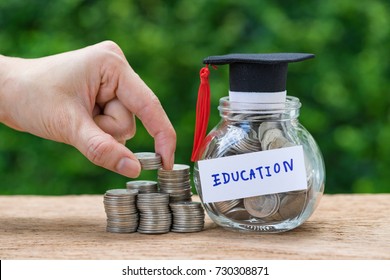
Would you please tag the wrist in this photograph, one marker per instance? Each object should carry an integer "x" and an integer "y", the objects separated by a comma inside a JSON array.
[
  {"x": 7, "y": 66},
  {"x": 3, "y": 79}
]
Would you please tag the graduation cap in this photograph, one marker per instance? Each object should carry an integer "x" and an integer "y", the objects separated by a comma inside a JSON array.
[
  {"x": 257, "y": 77},
  {"x": 253, "y": 78}
]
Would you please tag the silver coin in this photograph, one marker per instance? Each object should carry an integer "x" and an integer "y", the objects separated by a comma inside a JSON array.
[
  {"x": 149, "y": 161},
  {"x": 143, "y": 186},
  {"x": 153, "y": 196},
  {"x": 262, "y": 206},
  {"x": 269, "y": 136},
  {"x": 264, "y": 126},
  {"x": 225, "y": 206},
  {"x": 121, "y": 230},
  {"x": 118, "y": 205},
  {"x": 175, "y": 180},
  {"x": 188, "y": 205},
  {"x": 279, "y": 142},
  {"x": 292, "y": 205},
  {"x": 238, "y": 213},
  {"x": 178, "y": 187},
  {"x": 177, "y": 169},
  {"x": 161, "y": 231},
  {"x": 121, "y": 192},
  {"x": 186, "y": 230}
]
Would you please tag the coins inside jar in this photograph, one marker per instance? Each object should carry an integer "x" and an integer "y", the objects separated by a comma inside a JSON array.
[
  {"x": 225, "y": 206},
  {"x": 269, "y": 134},
  {"x": 262, "y": 206},
  {"x": 292, "y": 204}
]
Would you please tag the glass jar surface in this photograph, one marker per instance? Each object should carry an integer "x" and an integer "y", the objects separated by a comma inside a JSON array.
[{"x": 253, "y": 127}]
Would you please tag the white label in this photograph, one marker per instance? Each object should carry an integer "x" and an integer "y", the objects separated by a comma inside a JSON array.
[
  {"x": 258, "y": 97},
  {"x": 252, "y": 174}
]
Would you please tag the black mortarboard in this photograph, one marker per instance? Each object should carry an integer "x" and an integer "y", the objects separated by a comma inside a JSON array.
[{"x": 257, "y": 72}]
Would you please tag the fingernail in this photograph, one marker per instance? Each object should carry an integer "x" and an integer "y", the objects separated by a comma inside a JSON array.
[{"x": 128, "y": 167}]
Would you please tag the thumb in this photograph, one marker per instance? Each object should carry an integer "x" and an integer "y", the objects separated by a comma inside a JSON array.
[{"x": 102, "y": 149}]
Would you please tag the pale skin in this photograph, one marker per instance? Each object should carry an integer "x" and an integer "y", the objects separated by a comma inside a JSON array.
[{"x": 86, "y": 98}]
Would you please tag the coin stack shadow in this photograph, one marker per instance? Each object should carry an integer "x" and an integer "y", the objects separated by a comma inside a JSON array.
[{"x": 122, "y": 214}]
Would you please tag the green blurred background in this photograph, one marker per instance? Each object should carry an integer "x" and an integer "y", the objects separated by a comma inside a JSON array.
[{"x": 344, "y": 91}]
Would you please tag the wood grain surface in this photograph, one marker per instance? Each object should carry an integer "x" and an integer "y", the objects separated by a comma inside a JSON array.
[{"x": 73, "y": 227}]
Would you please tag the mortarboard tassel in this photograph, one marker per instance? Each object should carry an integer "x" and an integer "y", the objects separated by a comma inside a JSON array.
[{"x": 202, "y": 111}]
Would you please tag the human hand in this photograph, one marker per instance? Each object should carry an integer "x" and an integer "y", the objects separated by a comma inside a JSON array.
[{"x": 86, "y": 98}]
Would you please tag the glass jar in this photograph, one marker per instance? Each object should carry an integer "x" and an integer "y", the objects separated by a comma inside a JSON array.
[{"x": 252, "y": 127}]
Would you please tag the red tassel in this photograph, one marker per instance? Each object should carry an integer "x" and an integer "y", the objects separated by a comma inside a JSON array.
[{"x": 202, "y": 112}]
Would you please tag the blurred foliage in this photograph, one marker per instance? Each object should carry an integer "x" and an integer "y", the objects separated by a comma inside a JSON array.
[{"x": 344, "y": 91}]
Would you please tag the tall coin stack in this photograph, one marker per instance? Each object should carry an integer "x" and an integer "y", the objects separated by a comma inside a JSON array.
[
  {"x": 187, "y": 216},
  {"x": 155, "y": 216},
  {"x": 175, "y": 182},
  {"x": 122, "y": 215}
]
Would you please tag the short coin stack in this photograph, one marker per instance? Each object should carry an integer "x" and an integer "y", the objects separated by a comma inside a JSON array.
[
  {"x": 142, "y": 186},
  {"x": 175, "y": 182},
  {"x": 149, "y": 161},
  {"x": 122, "y": 215},
  {"x": 155, "y": 216},
  {"x": 187, "y": 216}
]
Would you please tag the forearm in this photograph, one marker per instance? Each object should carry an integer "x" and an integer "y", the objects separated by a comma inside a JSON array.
[
  {"x": 9, "y": 93},
  {"x": 3, "y": 87}
]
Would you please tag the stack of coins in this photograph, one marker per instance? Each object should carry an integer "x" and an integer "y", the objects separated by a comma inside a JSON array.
[
  {"x": 149, "y": 161},
  {"x": 175, "y": 182},
  {"x": 122, "y": 215},
  {"x": 187, "y": 216},
  {"x": 142, "y": 186},
  {"x": 155, "y": 216}
]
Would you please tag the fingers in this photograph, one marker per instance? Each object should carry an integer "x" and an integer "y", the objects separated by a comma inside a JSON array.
[
  {"x": 103, "y": 150},
  {"x": 140, "y": 100},
  {"x": 116, "y": 120},
  {"x": 118, "y": 78}
]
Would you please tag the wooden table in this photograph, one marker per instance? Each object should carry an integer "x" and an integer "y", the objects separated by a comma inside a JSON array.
[{"x": 73, "y": 227}]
